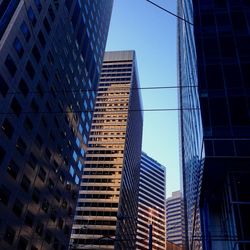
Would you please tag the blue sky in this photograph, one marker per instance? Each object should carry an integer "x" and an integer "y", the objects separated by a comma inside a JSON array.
[{"x": 151, "y": 32}]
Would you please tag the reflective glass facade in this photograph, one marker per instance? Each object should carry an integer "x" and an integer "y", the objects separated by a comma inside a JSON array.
[
  {"x": 151, "y": 204},
  {"x": 214, "y": 62},
  {"x": 51, "y": 53},
  {"x": 107, "y": 204}
]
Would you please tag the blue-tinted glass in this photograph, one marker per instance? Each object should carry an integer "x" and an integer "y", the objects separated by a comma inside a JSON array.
[
  {"x": 85, "y": 105},
  {"x": 77, "y": 180},
  {"x": 83, "y": 116},
  {"x": 18, "y": 47},
  {"x": 38, "y": 5},
  {"x": 31, "y": 16},
  {"x": 89, "y": 115},
  {"x": 71, "y": 171},
  {"x": 82, "y": 152},
  {"x": 85, "y": 139},
  {"x": 80, "y": 128},
  {"x": 10, "y": 65},
  {"x": 87, "y": 126},
  {"x": 77, "y": 142},
  {"x": 75, "y": 15},
  {"x": 79, "y": 166},
  {"x": 25, "y": 30},
  {"x": 74, "y": 155}
]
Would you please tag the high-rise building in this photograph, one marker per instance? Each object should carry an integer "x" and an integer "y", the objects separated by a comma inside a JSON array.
[
  {"x": 107, "y": 204},
  {"x": 214, "y": 80},
  {"x": 175, "y": 219},
  {"x": 151, "y": 205},
  {"x": 51, "y": 53}
]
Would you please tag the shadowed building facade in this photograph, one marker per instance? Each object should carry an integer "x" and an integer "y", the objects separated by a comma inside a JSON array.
[
  {"x": 107, "y": 204},
  {"x": 151, "y": 204},
  {"x": 214, "y": 97},
  {"x": 51, "y": 53}
]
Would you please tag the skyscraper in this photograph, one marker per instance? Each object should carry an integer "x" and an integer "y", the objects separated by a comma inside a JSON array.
[
  {"x": 151, "y": 204},
  {"x": 175, "y": 219},
  {"x": 107, "y": 204},
  {"x": 51, "y": 53},
  {"x": 214, "y": 66}
]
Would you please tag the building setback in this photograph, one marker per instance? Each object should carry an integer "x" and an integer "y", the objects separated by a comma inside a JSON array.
[
  {"x": 175, "y": 219},
  {"x": 107, "y": 204},
  {"x": 51, "y": 53},
  {"x": 151, "y": 204},
  {"x": 214, "y": 81}
]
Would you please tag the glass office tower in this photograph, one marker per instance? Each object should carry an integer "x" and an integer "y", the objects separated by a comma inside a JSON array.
[
  {"x": 214, "y": 81},
  {"x": 51, "y": 53},
  {"x": 106, "y": 213},
  {"x": 151, "y": 204}
]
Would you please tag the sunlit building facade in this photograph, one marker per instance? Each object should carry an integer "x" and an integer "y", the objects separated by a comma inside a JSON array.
[
  {"x": 175, "y": 219},
  {"x": 151, "y": 204},
  {"x": 107, "y": 204},
  {"x": 214, "y": 66},
  {"x": 51, "y": 54}
]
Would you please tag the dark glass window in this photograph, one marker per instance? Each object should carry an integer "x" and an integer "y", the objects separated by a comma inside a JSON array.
[
  {"x": 51, "y": 184},
  {"x": 41, "y": 39},
  {"x": 36, "y": 195},
  {"x": 38, "y": 5},
  {"x": 23, "y": 87},
  {"x": 28, "y": 124},
  {"x": 36, "y": 53},
  {"x": 32, "y": 161},
  {"x": 48, "y": 237},
  {"x": 31, "y": 16},
  {"x": 51, "y": 13},
  {"x": 33, "y": 248},
  {"x": 22, "y": 243},
  {"x": 9, "y": 235},
  {"x": 46, "y": 25},
  {"x": 4, "y": 195},
  {"x": 10, "y": 65},
  {"x": 211, "y": 47},
  {"x": 42, "y": 174},
  {"x": 60, "y": 223},
  {"x": 45, "y": 73},
  {"x": 25, "y": 183},
  {"x": 239, "y": 21},
  {"x": 30, "y": 70},
  {"x": 68, "y": 4},
  {"x": 34, "y": 106},
  {"x": 18, "y": 47},
  {"x": 21, "y": 146},
  {"x": 7, "y": 128},
  {"x": 25, "y": 30},
  {"x": 13, "y": 169},
  {"x": 39, "y": 228},
  {"x": 75, "y": 14},
  {"x": 50, "y": 58},
  {"x": 3, "y": 86},
  {"x": 16, "y": 107},
  {"x": 227, "y": 46},
  {"x": 18, "y": 207},
  {"x": 45, "y": 205},
  {"x": 246, "y": 73},
  {"x": 40, "y": 89},
  {"x": 29, "y": 219},
  {"x": 39, "y": 141},
  {"x": 44, "y": 122}
]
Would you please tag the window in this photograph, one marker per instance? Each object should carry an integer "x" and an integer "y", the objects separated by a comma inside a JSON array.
[
  {"x": 4, "y": 195},
  {"x": 25, "y": 183},
  {"x": 48, "y": 236},
  {"x": 64, "y": 204},
  {"x": 71, "y": 171},
  {"x": 29, "y": 219},
  {"x": 36, "y": 53},
  {"x": 23, "y": 87},
  {"x": 18, "y": 47},
  {"x": 50, "y": 58},
  {"x": 51, "y": 184},
  {"x": 3, "y": 86},
  {"x": 7, "y": 128},
  {"x": 9, "y": 235},
  {"x": 25, "y": 30},
  {"x": 31, "y": 16},
  {"x": 46, "y": 25},
  {"x": 12, "y": 169},
  {"x": 77, "y": 180},
  {"x": 28, "y": 124},
  {"x": 42, "y": 174},
  {"x": 36, "y": 195},
  {"x": 18, "y": 207},
  {"x": 51, "y": 13},
  {"x": 21, "y": 146},
  {"x": 34, "y": 106},
  {"x": 16, "y": 107},
  {"x": 30, "y": 70},
  {"x": 39, "y": 228},
  {"x": 74, "y": 155},
  {"x": 38, "y": 5},
  {"x": 40, "y": 89},
  {"x": 32, "y": 161},
  {"x": 10, "y": 65},
  {"x": 45, "y": 205},
  {"x": 60, "y": 223},
  {"x": 41, "y": 39}
]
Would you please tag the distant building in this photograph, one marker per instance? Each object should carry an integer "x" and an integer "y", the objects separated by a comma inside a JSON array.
[
  {"x": 151, "y": 204},
  {"x": 175, "y": 219},
  {"x": 214, "y": 102},
  {"x": 107, "y": 204},
  {"x": 51, "y": 54}
]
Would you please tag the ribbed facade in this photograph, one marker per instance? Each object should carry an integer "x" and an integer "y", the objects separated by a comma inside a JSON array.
[
  {"x": 214, "y": 97},
  {"x": 51, "y": 53},
  {"x": 151, "y": 205},
  {"x": 107, "y": 204},
  {"x": 175, "y": 219}
]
